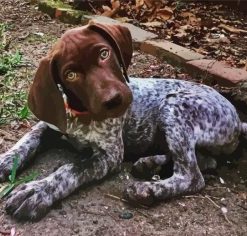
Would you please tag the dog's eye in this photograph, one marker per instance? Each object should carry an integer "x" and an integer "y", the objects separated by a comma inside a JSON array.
[
  {"x": 104, "y": 53},
  {"x": 71, "y": 76}
]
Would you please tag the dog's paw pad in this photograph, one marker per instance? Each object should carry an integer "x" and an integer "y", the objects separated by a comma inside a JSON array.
[
  {"x": 141, "y": 170},
  {"x": 140, "y": 193}
]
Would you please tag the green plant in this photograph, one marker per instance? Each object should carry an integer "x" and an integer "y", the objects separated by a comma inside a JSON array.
[
  {"x": 9, "y": 61},
  {"x": 13, "y": 182},
  {"x": 180, "y": 4},
  {"x": 12, "y": 100},
  {"x": 13, "y": 95}
]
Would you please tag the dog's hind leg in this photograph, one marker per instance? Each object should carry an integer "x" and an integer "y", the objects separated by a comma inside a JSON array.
[
  {"x": 186, "y": 178},
  {"x": 24, "y": 150}
]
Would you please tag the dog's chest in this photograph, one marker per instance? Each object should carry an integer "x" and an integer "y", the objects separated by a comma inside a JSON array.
[{"x": 103, "y": 134}]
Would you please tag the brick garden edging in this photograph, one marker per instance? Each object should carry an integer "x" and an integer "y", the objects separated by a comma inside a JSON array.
[{"x": 194, "y": 63}]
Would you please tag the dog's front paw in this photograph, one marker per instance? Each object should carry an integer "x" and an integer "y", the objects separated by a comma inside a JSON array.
[
  {"x": 141, "y": 169},
  {"x": 6, "y": 163},
  {"x": 30, "y": 201},
  {"x": 140, "y": 193}
]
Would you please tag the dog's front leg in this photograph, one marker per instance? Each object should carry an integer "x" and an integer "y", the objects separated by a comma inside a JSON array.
[
  {"x": 33, "y": 200},
  {"x": 24, "y": 149}
]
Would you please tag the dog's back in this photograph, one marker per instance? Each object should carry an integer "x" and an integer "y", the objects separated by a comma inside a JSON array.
[{"x": 207, "y": 117}]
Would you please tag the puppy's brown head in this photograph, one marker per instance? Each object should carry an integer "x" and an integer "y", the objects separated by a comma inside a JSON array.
[{"x": 90, "y": 64}]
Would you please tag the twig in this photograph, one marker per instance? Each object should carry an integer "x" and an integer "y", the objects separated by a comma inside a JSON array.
[
  {"x": 243, "y": 207},
  {"x": 116, "y": 197},
  {"x": 94, "y": 10},
  {"x": 207, "y": 197},
  {"x": 100, "y": 214},
  {"x": 142, "y": 213},
  {"x": 218, "y": 187},
  {"x": 209, "y": 66},
  {"x": 124, "y": 200},
  {"x": 7, "y": 135},
  {"x": 215, "y": 204},
  {"x": 24, "y": 36},
  {"x": 25, "y": 64},
  {"x": 10, "y": 139},
  {"x": 3, "y": 232},
  {"x": 232, "y": 29},
  {"x": 226, "y": 218},
  {"x": 94, "y": 213},
  {"x": 193, "y": 196}
]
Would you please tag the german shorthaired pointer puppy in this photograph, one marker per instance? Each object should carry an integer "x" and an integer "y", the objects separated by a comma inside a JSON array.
[{"x": 81, "y": 89}]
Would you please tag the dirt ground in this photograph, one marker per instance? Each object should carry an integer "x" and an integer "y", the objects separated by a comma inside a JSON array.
[{"x": 96, "y": 210}]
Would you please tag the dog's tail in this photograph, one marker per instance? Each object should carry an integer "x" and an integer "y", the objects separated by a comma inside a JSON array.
[{"x": 244, "y": 130}]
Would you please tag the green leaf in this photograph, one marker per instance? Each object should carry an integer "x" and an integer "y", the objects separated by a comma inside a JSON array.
[
  {"x": 6, "y": 190},
  {"x": 23, "y": 180},
  {"x": 28, "y": 178},
  {"x": 23, "y": 114},
  {"x": 14, "y": 169}
]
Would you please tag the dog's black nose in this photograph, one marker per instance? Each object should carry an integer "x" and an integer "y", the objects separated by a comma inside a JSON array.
[{"x": 113, "y": 102}]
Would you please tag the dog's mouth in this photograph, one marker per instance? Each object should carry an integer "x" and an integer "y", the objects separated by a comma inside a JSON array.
[
  {"x": 75, "y": 105},
  {"x": 77, "y": 109}
]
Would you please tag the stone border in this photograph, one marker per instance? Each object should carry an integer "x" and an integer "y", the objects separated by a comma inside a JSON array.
[
  {"x": 61, "y": 11},
  {"x": 194, "y": 63}
]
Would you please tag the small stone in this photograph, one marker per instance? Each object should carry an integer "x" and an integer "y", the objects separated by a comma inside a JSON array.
[
  {"x": 224, "y": 210},
  {"x": 126, "y": 215},
  {"x": 62, "y": 212},
  {"x": 221, "y": 181},
  {"x": 156, "y": 178}
]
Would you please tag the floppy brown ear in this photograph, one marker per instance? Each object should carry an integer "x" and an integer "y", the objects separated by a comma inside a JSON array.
[
  {"x": 44, "y": 99},
  {"x": 120, "y": 39}
]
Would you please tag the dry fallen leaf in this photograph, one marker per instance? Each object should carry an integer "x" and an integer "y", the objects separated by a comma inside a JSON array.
[
  {"x": 123, "y": 19},
  {"x": 164, "y": 13},
  {"x": 232, "y": 29},
  {"x": 139, "y": 3},
  {"x": 153, "y": 3},
  {"x": 106, "y": 9},
  {"x": 192, "y": 19},
  {"x": 1, "y": 141},
  {"x": 12, "y": 231},
  {"x": 110, "y": 12},
  {"x": 201, "y": 50},
  {"x": 186, "y": 14},
  {"x": 153, "y": 24},
  {"x": 179, "y": 36},
  {"x": 220, "y": 39},
  {"x": 115, "y": 4}
]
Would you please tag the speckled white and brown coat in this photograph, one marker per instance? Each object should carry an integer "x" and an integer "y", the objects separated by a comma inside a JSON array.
[{"x": 167, "y": 119}]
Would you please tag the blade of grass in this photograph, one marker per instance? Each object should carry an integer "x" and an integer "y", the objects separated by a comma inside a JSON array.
[
  {"x": 27, "y": 178},
  {"x": 14, "y": 169},
  {"x": 23, "y": 114},
  {"x": 6, "y": 190},
  {"x": 23, "y": 180}
]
